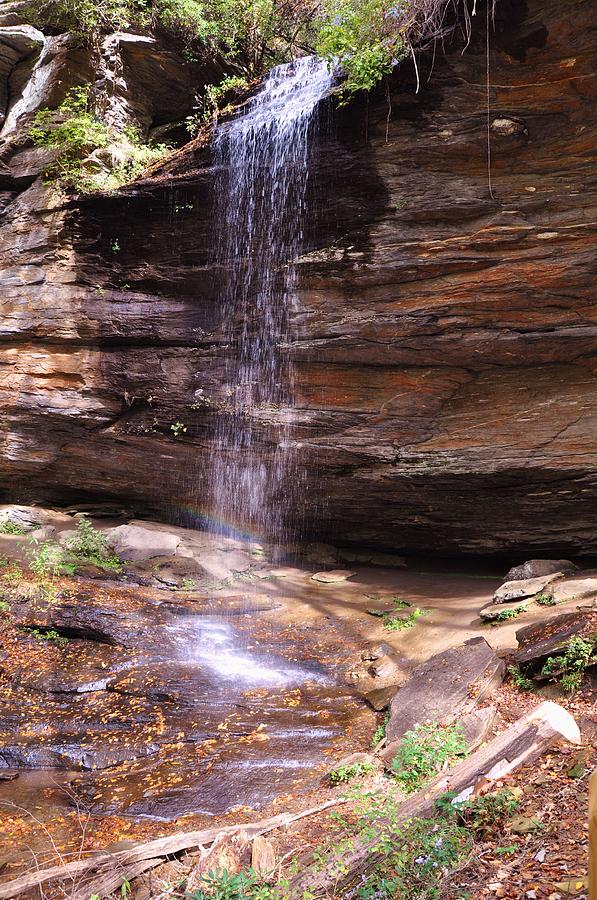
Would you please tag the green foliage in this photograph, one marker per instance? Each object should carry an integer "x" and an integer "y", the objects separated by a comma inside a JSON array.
[
  {"x": 10, "y": 527},
  {"x": 545, "y": 600},
  {"x": 395, "y": 623},
  {"x": 85, "y": 545},
  {"x": 178, "y": 428},
  {"x": 488, "y": 812},
  {"x": 424, "y": 750},
  {"x": 4, "y": 606},
  {"x": 73, "y": 132},
  {"x": 50, "y": 558},
  {"x": 48, "y": 634},
  {"x": 344, "y": 774},
  {"x": 216, "y": 99},
  {"x": 506, "y": 614},
  {"x": 89, "y": 545},
  {"x": 569, "y": 667},
  {"x": 188, "y": 584},
  {"x": 219, "y": 884},
  {"x": 520, "y": 679},
  {"x": 365, "y": 36},
  {"x": 380, "y": 732},
  {"x": 13, "y": 575}
]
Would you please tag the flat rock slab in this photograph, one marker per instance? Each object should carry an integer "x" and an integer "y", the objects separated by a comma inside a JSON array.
[
  {"x": 333, "y": 577},
  {"x": 536, "y": 568},
  {"x": 497, "y": 612},
  {"x": 574, "y": 589},
  {"x": 445, "y": 687},
  {"x": 136, "y": 542},
  {"x": 515, "y": 590},
  {"x": 545, "y": 638}
]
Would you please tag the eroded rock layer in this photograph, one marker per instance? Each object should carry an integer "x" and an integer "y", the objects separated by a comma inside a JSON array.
[{"x": 445, "y": 341}]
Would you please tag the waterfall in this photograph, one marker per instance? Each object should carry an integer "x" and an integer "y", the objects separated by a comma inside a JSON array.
[{"x": 262, "y": 157}]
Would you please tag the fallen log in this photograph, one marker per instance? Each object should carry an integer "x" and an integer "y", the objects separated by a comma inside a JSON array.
[
  {"x": 125, "y": 861},
  {"x": 520, "y": 744}
]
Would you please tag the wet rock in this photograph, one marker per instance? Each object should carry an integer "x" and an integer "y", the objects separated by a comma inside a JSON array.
[
  {"x": 445, "y": 687},
  {"x": 545, "y": 638},
  {"x": 333, "y": 577},
  {"x": 536, "y": 568},
  {"x": 529, "y": 587}
]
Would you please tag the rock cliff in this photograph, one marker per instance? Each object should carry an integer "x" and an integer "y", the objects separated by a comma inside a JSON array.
[{"x": 445, "y": 337}]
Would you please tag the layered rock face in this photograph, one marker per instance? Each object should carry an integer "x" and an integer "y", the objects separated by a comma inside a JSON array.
[{"x": 444, "y": 336}]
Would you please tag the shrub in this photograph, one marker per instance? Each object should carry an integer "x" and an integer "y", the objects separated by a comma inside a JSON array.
[
  {"x": 10, "y": 527},
  {"x": 89, "y": 545},
  {"x": 424, "y": 750},
  {"x": 51, "y": 559},
  {"x": 365, "y": 37},
  {"x": 569, "y": 667},
  {"x": 344, "y": 774},
  {"x": 520, "y": 679},
  {"x": 73, "y": 131},
  {"x": 490, "y": 811}
]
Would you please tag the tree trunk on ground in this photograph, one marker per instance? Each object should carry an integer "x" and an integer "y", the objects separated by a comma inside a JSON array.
[{"x": 520, "y": 744}]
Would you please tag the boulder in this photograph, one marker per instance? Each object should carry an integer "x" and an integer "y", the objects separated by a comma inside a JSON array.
[
  {"x": 514, "y": 590},
  {"x": 335, "y": 576},
  {"x": 545, "y": 638},
  {"x": 447, "y": 686},
  {"x": 136, "y": 542},
  {"x": 574, "y": 589},
  {"x": 535, "y": 568}
]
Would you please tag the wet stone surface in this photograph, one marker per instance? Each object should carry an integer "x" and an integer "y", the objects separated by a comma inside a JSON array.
[{"x": 163, "y": 706}]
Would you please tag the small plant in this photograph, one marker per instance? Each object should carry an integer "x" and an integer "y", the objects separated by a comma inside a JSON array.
[
  {"x": 13, "y": 575},
  {"x": 488, "y": 812},
  {"x": 506, "y": 614},
  {"x": 380, "y": 732},
  {"x": 569, "y": 667},
  {"x": 178, "y": 428},
  {"x": 219, "y": 884},
  {"x": 50, "y": 559},
  {"x": 188, "y": 584},
  {"x": 4, "y": 606},
  {"x": 344, "y": 774},
  {"x": 115, "y": 246},
  {"x": 74, "y": 132},
  {"x": 48, "y": 634},
  {"x": 545, "y": 600},
  {"x": 10, "y": 527},
  {"x": 395, "y": 623},
  {"x": 424, "y": 751},
  {"x": 520, "y": 679},
  {"x": 90, "y": 545}
]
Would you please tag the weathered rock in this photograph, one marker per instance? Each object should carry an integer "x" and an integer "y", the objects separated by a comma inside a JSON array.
[
  {"x": 535, "y": 568},
  {"x": 548, "y": 637},
  {"x": 444, "y": 346},
  {"x": 447, "y": 686},
  {"x": 335, "y": 576},
  {"x": 135, "y": 542},
  {"x": 580, "y": 589},
  {"x": 515, "y": 590}
]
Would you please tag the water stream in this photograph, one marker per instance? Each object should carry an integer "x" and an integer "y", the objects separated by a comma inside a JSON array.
[{"x": 262, "y": 157}]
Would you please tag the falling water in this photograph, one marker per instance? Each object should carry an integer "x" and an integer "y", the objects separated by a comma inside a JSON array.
[{"x": 263, "y": 160}]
